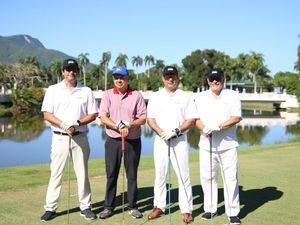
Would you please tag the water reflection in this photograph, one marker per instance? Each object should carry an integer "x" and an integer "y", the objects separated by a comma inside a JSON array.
[
  {"x": 27, "y": 139},
  {"x": 21, "y": 128},
  {"x": 252, "y": 129}
]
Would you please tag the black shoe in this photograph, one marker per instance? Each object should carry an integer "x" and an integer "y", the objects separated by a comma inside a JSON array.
[
  {"x": 234, "y": 220},
  {"x": 48, "y": 215},
  {"x": 208, "y": 215},
  {"x": 106, "y": 213},
  {"x": 88, "y": 214}
]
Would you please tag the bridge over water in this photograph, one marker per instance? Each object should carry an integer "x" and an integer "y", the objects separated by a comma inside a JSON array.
[{"x": 281, "y": 100}]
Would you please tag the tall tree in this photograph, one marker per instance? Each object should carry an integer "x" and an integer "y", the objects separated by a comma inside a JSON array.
[
  {"x": 288, "y": 81},
  {"x": 149, "y": 60},
  {"x": 55, "y": 69},
  {"x": 83, "y": 61},
  {"x": 23, "y": 74},
  {"x": 255, "y": 64},
  {"x": 121, "y": 60},
  {"x": 106, "y": 56},
  {"x": 198, "y": 65},
  {"x": 137, "y": 61}
]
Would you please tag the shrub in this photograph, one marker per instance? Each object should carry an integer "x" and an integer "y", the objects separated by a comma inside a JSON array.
[{"x": 27, "y": 100}]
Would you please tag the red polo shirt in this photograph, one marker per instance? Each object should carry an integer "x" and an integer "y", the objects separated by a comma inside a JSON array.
[{"x": 127, "y": 107}]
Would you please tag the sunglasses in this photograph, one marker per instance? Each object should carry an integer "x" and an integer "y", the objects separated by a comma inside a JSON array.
[
  {"x": 215, "y": 77},
  {"x": 69, "y": 69},
  {"x": 168, "y": 76},
  {"x": 120, "y": 77}
]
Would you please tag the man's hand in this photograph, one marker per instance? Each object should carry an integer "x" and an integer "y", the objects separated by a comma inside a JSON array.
[
  {"x": 122, "y": 124},
  {"x": 167, "y": 135},
  {"x": 208, "y": 130},
  {"x": 65, "y": 126}
]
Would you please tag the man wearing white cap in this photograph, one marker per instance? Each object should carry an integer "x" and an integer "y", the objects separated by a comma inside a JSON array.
[
  {"x": 219, "y": 111},
  {"x": 170, "y": 114}
]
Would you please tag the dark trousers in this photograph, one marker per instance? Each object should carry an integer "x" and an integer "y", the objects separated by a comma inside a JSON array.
[{"x": 113, "y": 160}]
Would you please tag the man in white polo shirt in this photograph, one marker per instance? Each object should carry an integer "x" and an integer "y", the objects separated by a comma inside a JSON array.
[
  {"x": 170, "y": 113},
  {"x": 219, "y": 112},
  {"x": 69, "y": 107}
]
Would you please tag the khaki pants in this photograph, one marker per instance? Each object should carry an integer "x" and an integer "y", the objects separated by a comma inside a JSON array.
[{"x": 80, "y": 152}]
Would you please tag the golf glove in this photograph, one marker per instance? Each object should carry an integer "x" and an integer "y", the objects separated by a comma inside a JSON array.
[
  {"x": 122, "y": 124},
  {"x": 65, "y": 126},
  {"x": 209, "y": 130},
  {"x": 167, "y": 135}
]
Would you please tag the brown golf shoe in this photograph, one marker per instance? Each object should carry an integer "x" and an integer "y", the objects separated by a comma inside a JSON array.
[
  {"x": 157, "y": 212},
  {"x": 187, "y": 217}
]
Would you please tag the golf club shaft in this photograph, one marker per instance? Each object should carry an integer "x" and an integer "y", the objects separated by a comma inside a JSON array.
[
  {"x": 123, "y": 198},
  {"x": 180, "y": 176},
  {"x": 69, "y": 159},
  {"x": 210, "y": 162},
  {"x": 169, "y": 180}
]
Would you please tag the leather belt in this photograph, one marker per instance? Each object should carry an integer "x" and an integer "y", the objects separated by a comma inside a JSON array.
[{"x": 61, "y": 133}]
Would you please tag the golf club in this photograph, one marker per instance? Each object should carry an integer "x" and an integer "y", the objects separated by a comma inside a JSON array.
[
  {"x": 123, "y": 198},
  {"x": 69, "y": 159},
  {"x": 180, "y": 176},
  {"x": 169, "y": 180},
  {"x": 210, "y": 161}
]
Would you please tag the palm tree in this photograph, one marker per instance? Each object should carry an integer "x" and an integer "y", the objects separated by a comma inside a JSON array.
[
  {"x": 55, "y": 69},
  {"x": 121, "y": 60},
  {"x": 255, "y": 65},
  {"x": 30, "y": 60},
  {"x": 106, "y": 56},
  {"x": 149, "y": 60},
  {"x": 83, "y": 61},
  {"x": 136, "y": 61}
]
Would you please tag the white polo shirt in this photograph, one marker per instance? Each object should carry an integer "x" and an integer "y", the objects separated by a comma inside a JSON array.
[
  {"x": 170, "y": 110},
  {"x": 69, "y": 105},
  {"x": 213, "y": 111}
]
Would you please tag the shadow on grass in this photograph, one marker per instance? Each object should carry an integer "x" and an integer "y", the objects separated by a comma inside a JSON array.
[{"x": 250, "y": 200}]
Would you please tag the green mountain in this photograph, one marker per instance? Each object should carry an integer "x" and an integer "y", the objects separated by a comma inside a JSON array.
[{"x": 16, "y": 47}]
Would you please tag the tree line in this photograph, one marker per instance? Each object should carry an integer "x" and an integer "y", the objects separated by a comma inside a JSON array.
[{"x": 248, "y": 69}]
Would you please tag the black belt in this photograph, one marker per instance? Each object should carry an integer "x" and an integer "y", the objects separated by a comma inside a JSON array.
[{"x": 61, "y": 133}]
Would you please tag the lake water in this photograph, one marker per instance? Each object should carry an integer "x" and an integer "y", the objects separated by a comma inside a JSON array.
[{"x": 27, "y": 140}]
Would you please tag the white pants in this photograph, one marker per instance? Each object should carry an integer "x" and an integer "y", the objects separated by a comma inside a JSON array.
[
  {"x": 228, "y": 161},
  {"x": 80, "y": 152},
  {"x": 180, "y": 162}
]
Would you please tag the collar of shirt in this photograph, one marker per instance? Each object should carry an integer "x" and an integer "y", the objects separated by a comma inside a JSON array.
[
  {"x": 216, "y": 96},
  {"x": 63, "y": 85},
  {"x": 170, "y": 93},
  {"x": 128, "y": 91}
]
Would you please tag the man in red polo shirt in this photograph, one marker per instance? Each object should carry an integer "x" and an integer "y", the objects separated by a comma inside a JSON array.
[{"x": 122, "y": 111}]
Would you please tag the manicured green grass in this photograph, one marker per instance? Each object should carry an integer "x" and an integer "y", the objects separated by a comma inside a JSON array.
[{"x": 268, "y": 178}]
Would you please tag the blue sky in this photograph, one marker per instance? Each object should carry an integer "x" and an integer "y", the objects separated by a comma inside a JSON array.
[{"x": 168, "y": 30}]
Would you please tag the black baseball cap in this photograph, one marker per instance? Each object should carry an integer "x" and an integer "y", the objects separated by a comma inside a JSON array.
[
  {"x": 170, "y": 70},
  {"x": 216, "y": 74},
  {"x": 70, "y": 63}
]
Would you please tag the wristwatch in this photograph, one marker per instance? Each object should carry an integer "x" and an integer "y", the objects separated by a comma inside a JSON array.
[
  {"x": 79, "y": 123},
  {"x": 177, "y": 132}
]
